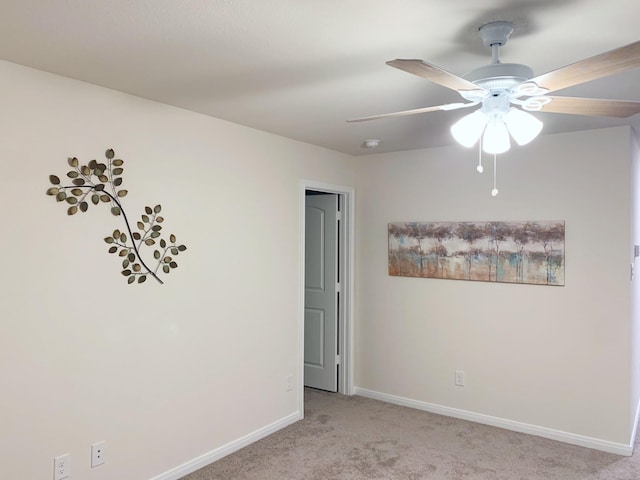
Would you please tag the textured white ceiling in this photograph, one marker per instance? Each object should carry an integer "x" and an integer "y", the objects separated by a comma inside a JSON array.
[{"x": 300, "y": 68}]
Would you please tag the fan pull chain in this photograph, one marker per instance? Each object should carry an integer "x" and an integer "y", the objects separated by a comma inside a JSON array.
[
  {"x": 494, "y": 192},
  {"x": 479, "y": 168}
]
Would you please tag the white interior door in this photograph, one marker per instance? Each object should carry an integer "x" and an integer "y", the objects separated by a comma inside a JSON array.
[{"x": 321, "y": 292}]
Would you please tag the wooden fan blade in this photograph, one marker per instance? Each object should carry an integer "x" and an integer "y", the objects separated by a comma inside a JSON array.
[
  {"x": 448, "y": 106},
  {"x": 592, "y": 68},
  {"x": 592, "y": 106},
  {"x": 435, "y": 74}
]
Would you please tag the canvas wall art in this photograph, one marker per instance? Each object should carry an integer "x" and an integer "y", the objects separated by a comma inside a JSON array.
[{"x": 511, "y": 252}]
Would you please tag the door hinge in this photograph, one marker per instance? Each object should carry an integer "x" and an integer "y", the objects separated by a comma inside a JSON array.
[
  {"x": 337, "y": 359},
  {"x": 338, "y": 287},
  {"x": 339, "y": 216}
]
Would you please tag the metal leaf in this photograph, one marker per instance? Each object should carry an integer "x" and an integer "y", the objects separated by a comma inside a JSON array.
[
  {"x": 156, "y": 228},
  {"x": 140, "y": 225},
  {"x": 77, "y": 191},
  {"x": 113, "y": 249},
  {"x": 154, "y": 234},
  {"x": 84, "y": 206},
  {"x": 105, "y": 198},
  {"x": 85, "y": 170},
  {"x": 136, "y": 267},
  {"x": 72, "y": 174},
  {"x": 108, "y": 239},
  {"x": 163, "y": 244},
  {"x": 115, "y": 211},
  {"x": 166, "y": 269},
  {"x": 103, "y": 178},
  {"x": 78, "y": 181},
  {"x": 159, "y": 219},
  {"x": 117, "y": 162},
  {"x": 142, "y": 278},
  {"x": 149, "y": 241},
  {"x": 182, "y": 248},
  {"x": 109, "y": 154},
  {"x": 167, "y": 259},
  {"x": 122, "y": 193},
  {"x": 173, "y": 265},
  {"x": 53, "y": 191},
  {"x": 125, "y": 263},
  {"x": 157, "y": 209},
  {"x": 156, "y": 254},
  {"x": 117, "y": 171},
  {"x": 72, "y": 210},
  {"x": 172, "y": 238},
  {"x": 61, "y": 196},
  {"x": 98, "y": 171},
  {"x": 99, "y": 187},
  {"x": 131, "y": 279},
  {"x": 148, "y": 210},
  {"x": 123, "y": 238},
  {"x": 145, "y": 219},
  {"x": 117, "y": 182},
  {"x": 71, "y": 200},
  {"x": 95, "y": 199},
  {"x": 174, "y": 251},
  {"x": 126, "y": 272},
  {"x": 73, "y": 162},
  {"x": 132, "y": 257},
  {"x": 136, "y": 236},
  {"x": 93, "y": 164},
  {"x": 54, "y": 180},
  {"x": 124, "y": 252},
  {"x": 116, "y": 234}
]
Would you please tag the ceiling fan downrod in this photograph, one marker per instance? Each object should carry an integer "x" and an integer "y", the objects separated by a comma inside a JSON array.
[{"x": 495, "y": 35}]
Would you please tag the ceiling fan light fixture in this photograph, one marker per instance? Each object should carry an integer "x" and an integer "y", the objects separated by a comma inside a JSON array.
[
  {"x": 522, "y": 126},
  {"x": 496, "y": 136},
  {"x": 469, "y": 128}
]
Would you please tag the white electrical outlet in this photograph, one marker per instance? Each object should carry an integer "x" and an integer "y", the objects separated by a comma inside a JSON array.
[
  {"x": 98, "y": 452},
  {"x": 459, "y": 378},
  {"x": 62, "y": 467},
  {"x": 289, "y": 383}
]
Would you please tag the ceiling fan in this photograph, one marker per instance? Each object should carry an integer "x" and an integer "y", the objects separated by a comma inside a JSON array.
[{"x": 508, "y": 91}]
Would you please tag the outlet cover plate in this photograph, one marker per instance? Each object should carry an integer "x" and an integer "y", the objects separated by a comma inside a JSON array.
[
  {"x": 62, "y": 467},
  {"x": 98, "y": 452}
]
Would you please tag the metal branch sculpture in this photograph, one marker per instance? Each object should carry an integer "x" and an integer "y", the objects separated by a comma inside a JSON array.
[{"x": 97, "y": 183}]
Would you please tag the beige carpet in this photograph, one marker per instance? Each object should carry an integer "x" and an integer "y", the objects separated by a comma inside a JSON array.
[{"x": 356, "y": 438}]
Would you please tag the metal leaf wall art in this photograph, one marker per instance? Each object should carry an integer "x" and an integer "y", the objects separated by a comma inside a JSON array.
[{"x": 97, "y": 183}]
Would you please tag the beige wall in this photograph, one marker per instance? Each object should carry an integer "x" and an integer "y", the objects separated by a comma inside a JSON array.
[
  {"x": 554, "y": 357},
  {"x": 162, "y": 373},
  {"x": 168, "y": 373}
]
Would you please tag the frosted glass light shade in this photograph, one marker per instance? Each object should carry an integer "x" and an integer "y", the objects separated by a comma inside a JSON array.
[
  {"x": 523, "y": 126},
  {"x": 469, "y": 128},
  {"x": 496, "y": 137}
]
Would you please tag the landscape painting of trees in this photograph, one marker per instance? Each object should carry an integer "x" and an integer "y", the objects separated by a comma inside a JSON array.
[{"x": 511, "y": 252}]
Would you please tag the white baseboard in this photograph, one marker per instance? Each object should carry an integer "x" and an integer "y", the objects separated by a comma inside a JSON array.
[
  {"x": 573, "y": 439},
  {"x": 210, "y": 457}
]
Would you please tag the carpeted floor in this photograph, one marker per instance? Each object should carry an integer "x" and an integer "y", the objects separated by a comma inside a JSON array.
[{"x": 356, "y": 438}]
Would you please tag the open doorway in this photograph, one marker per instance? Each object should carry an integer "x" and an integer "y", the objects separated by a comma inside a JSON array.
[{"x": 316, "y": 355}]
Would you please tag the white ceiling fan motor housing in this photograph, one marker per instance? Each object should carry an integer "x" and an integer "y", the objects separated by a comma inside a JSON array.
[{"x": 503, "y": 77}]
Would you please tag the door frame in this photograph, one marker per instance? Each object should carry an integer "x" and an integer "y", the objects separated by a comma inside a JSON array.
[{"x": 346, "y": 197}]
